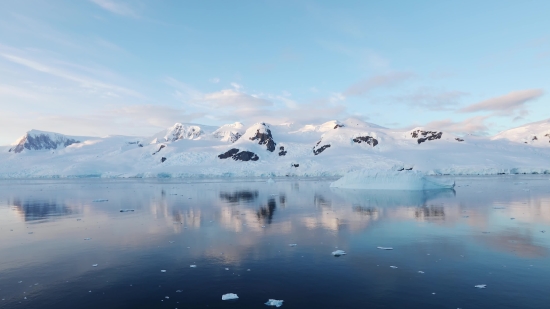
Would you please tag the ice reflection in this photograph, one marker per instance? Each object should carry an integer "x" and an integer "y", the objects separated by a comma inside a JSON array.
[
  {"x": 34, "y": 210},
  {"x": 239, "y": 196}
]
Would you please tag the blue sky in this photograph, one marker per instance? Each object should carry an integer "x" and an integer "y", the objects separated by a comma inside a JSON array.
[{"x": 98, "y": 67}]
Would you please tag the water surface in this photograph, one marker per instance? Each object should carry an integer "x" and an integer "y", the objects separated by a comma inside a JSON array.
[{"x": 489, "y": 230}]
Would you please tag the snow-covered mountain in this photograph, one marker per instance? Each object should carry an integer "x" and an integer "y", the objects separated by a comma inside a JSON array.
[
  {"x": 535, "y": 134},
  {"x": 329, "y": 149},
  {"x": 41, "y": 140}
]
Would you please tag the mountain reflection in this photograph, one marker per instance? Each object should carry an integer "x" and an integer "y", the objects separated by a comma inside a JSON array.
[
  {"x": 33, "y": 210},
  {"x": 239, "y": 196},
  {"x": 430, "y": 212},
  {"x": 266, "y": 212},
  {"x": 391, "y": 198}
]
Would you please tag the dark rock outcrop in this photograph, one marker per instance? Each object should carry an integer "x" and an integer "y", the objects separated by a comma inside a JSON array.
[
  {"x": 162, "y": 159},
  {"x": 423, "y": 136},
  {"x": 265, "y": 139},
  {"x": 229, "y": 153},
  {"x": 282, "y": 151},
  {"x": 41, "y": 142},
  {"x": 458, "y": 139},
  {"x": 338, "y": 126},
  {"x": 239, "y": 156},
  {"x": 295, "y": 165},
  {"x": 548, "y": 135},
  {"x": 160, "y": 148},
  {"x": 317, "y": 150},
  {"x": 367, "y": 139}
]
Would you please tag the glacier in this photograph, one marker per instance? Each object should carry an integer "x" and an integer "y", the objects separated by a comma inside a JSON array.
[
  {"x": 372, "y": 179},
  {"x": 331, "y": 149}
]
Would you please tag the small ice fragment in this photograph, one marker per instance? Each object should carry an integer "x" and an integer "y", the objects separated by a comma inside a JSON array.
[
  {"x": 393, "y": 266},
  {"x": 179, "y": 291},
  {"x": 270, "y": 181},
  {"x": 274, "y": 302},
  {"x": 226, "y": 268},
  {"x": 100, "y": 200},
  {"x": 292, "y": 245},
  {"x": 20, "y": 282},
  {"x": 162, "y": 270},
  {"x": 127, "y": 210},
  {"x": 167, "y": 297},
  {"x": 481, "y": 286},
  {"x": 87, "y": 238},
  {"x": 420, "y": 272},
  {"x": 385, "y": 248},
  {"x": 193, "y": 266},
  {"x": 95, "y": 265},
  {"x": 248, "y": 269},
  {"x": 339, "y": 253},
  {"x": 229, "y": 296},
  {"x": 263, "y": 226},
  {"x": 171, "y": 241},
  {"x": 433, "y": 293}
]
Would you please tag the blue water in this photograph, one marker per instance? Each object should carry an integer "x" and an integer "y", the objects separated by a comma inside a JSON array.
[{"x": 458, "y": 238}]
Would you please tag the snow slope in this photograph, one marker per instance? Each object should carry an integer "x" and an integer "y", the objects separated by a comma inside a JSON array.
[
  {"x": 535, "y": 134},
  {"x": 329, "y": 149}
]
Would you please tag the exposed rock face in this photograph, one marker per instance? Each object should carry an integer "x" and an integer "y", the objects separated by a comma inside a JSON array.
[
  {"x": 36, "y": 140},
  {"x": 548, "y": 135},
  {"x": 367, "y": 139},
  {"x": 423, "y": 136},
  {"x": 317, "y": 150},
  {"x": 458, "y": 139},
  {"x": 295, "y": 165},
  {"x": 264, "y": 138},
  {"x": 338, "y": 126},
  {"x": 282, "y": 151},
  {"x": 160, "y": 148},
  {"x": 162, "y": 159},
  {"x": 239, "y": 156}
]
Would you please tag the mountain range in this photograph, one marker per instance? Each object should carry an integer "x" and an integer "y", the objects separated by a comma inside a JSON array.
[{"x": 265, "y": 150}]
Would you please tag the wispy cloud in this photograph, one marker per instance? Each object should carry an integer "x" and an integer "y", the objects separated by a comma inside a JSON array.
[
  {"x": 475, "y": 125},
  {"x": 378, "y": 81},
  {"x": 431, "y": 100},
  {"x": 116, "y": 7},
  {"x": 83, "y": 81},
  {"x": 506, "y": 103}
]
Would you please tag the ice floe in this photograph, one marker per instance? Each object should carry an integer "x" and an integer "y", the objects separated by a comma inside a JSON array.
[
  {"x": 481, "y": 286},
  {"x": 385, "y": 248},
  {"x": 229, "y": 296},
  {"x": 100, "y": 200},
  {"x": 339, "y": 253},
  {"x": 274, "y": 302},
  {"x": 375, "y": 179}
]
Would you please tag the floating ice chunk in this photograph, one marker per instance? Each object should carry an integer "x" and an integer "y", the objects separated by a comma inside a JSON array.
[
  {"x": 193, "y": 266},
  {"x": 274, "y": 302},
  {"x": 480, "y": 286},
  {"x": 179, "y": 291},
  {"x": 393, "y": 266},
  {"x": 127, "y": 210},
  {"x": 270, "y": 181},
  {"x": 95, "y": 265},
  {"x": 229, "y": 296},
  {"x": 420, "y": 272},
  {"x": 100, "y": 200},
  {"x": 171, "y": 241},
  {"x": 385, "y": 248},
  {"x": 167, "y": 297},
  {"x": 163, "y": 270},
  {"x": 292, "y": 245},
  {"x": 226, "y": 268},
  {"x": 375, "y": 179},
  {"x": 339, "y": 253}
]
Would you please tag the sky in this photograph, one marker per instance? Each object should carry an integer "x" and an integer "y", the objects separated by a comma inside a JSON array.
[{"x": 135, "y": 67}]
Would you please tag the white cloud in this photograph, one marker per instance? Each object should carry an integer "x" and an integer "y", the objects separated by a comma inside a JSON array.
[
  {"x": 475, "y": 125},
  {"x": 505, "y": 104},
  {"x": 215, "y": 80},
  {"x": 431, "y": 99},
  {"x": 116, "y": 7},
  {"x": 236, "y": 86}
]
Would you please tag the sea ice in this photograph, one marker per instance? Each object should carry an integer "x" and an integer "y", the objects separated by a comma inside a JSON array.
[
  {"x": 100, "y": 200},
  {"x": 95, "y": 265},
  {"x": 385, "y": 248},
  {"x": 229, "y": 296},
  {"x": 393, "y": 266},
  {"x": 481, "y": 286},
  {"x": 193, "y": 266},
  {"x": 274, "y": 302},
  {"x": 375, "y": 179},
  {"x": 292, "y": 245},
  {"x": 162, "y": 270},
  {"x": 339, "y": 253}
]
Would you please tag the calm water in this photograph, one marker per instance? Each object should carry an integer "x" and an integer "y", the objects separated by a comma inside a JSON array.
[{"x": 459, "y": 239}]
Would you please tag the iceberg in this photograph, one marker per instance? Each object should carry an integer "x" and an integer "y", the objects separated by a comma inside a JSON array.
[
  {"x": 339, "y": 253},
  {"x": 229, "y": 296},
  {"x": 274, "y": 302},
  {"x": 375, "y": 179}
]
